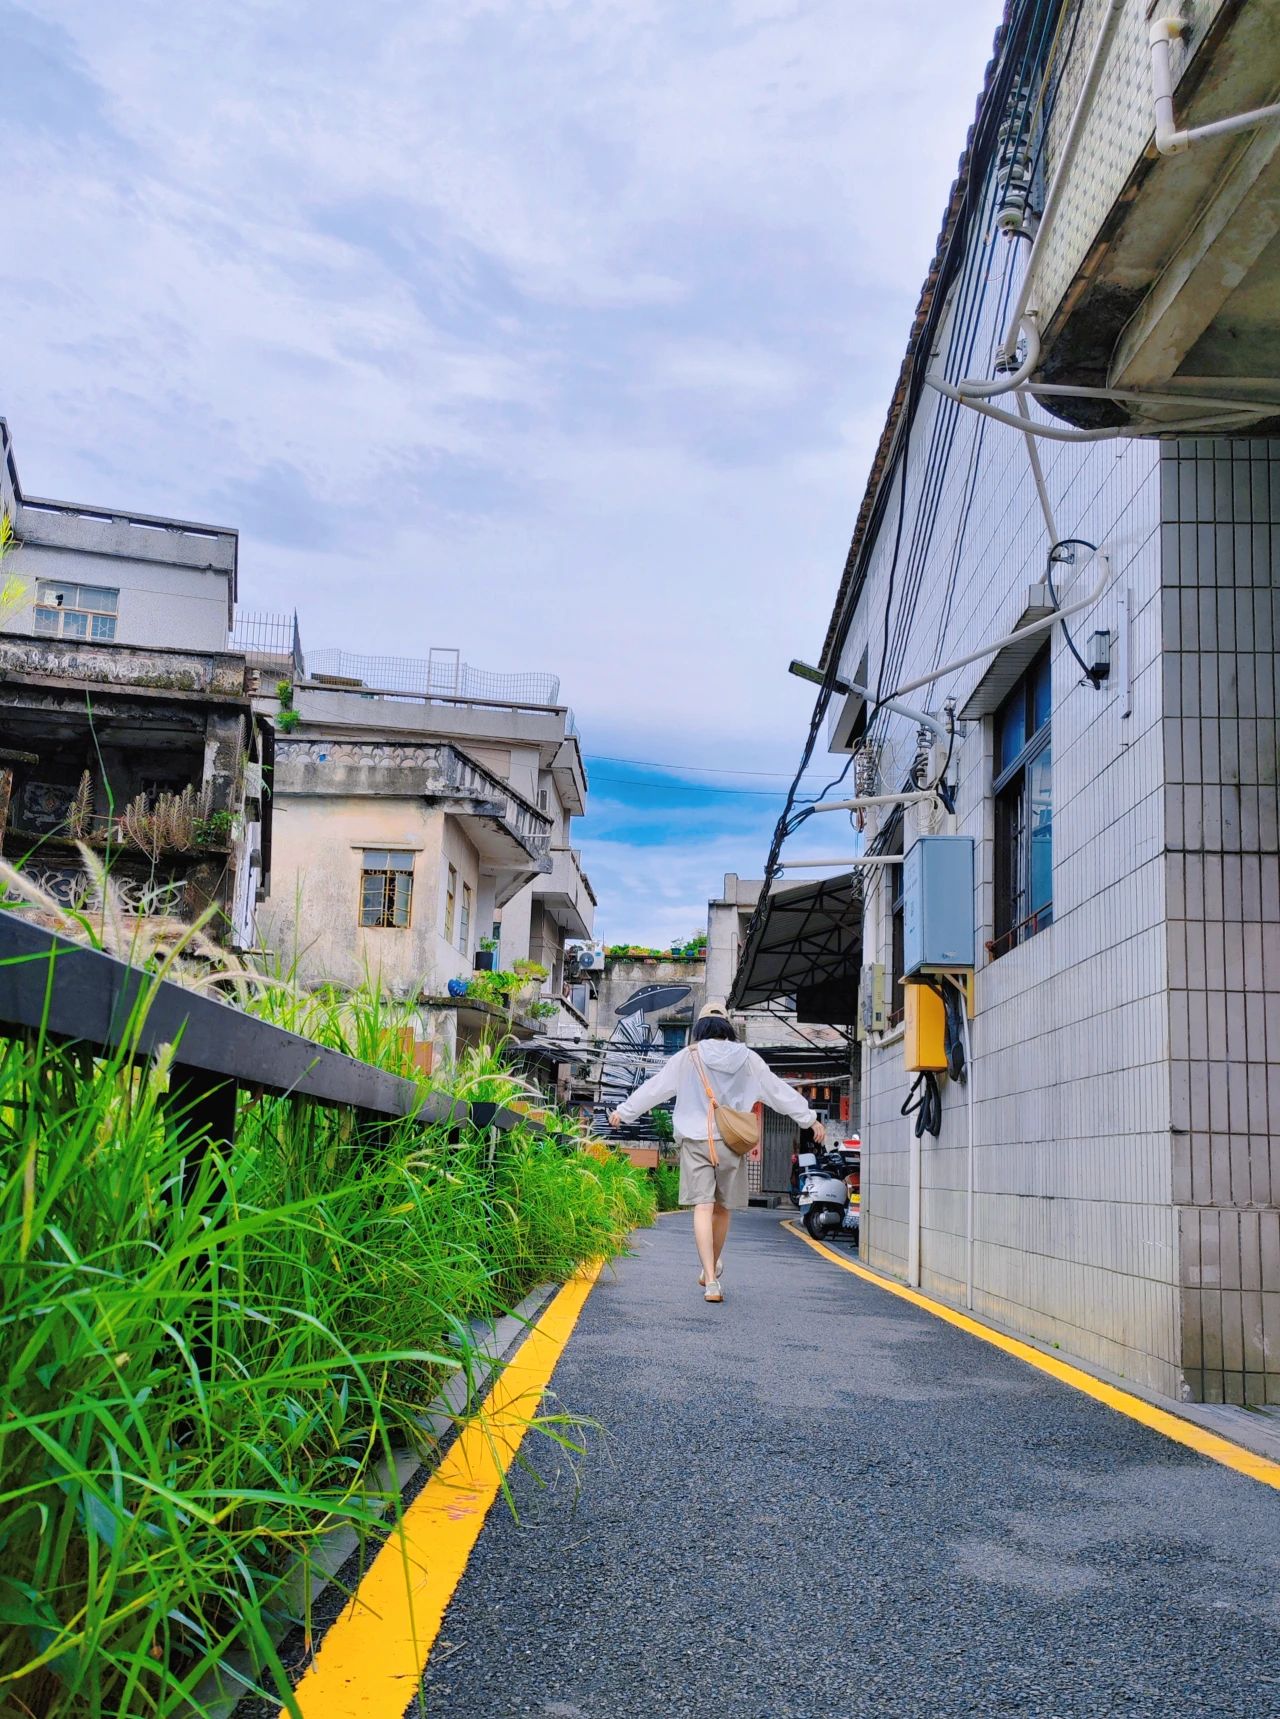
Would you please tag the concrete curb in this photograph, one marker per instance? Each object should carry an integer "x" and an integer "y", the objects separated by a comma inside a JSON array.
[{"x": 223, "y": 1688}]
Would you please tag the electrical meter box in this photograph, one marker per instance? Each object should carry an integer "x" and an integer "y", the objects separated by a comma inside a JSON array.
[
  {"x": 938, "y": 934},
  {"x": 925, "y": 1037}
]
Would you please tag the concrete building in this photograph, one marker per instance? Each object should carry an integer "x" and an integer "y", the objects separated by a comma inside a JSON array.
[
  {"x": 1115, "y": 765},
  {"x": 414, "y": 824},
  {"x": 98, "y": 575},
  {"x": 125, "y": 723}
]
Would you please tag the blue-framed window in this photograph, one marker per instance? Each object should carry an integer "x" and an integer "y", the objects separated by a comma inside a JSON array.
[{"x": 1024, "y": 810}]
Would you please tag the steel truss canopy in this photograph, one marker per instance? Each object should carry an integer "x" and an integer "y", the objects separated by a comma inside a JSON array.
[{"x": 806, "y": 943}]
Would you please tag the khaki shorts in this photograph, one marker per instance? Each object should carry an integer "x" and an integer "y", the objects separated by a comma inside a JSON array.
[{"x": 703, "y": 1183}]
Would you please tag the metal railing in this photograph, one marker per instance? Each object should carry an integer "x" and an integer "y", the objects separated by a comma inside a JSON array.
[
  {"x": 439, "y": 675},
  {"x": 80, "y": 995},
  {"x": 268, "y": 640}
]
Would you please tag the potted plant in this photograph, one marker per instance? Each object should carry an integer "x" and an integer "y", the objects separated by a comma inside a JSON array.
[{"x": 485, "y": 959}]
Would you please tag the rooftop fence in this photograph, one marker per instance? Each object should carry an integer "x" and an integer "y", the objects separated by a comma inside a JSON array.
[
  {"x": 440, "y": 674},
  {"x": 268, "y": 641}
]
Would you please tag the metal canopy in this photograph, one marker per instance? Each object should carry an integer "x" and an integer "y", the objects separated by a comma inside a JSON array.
[
  {"x": 807, "y": 934},
  {"x": 1013, "y": 661}
]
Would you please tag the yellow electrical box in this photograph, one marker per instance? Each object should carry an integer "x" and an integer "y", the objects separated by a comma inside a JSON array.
[{"x": 925, "y": 1040}]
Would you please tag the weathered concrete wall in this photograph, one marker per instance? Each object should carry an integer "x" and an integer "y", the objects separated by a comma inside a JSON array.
[
  {"x": 623, "y": 977},
  {"x": 313, "y": 912},
  {"x": 151, "y": 668}
]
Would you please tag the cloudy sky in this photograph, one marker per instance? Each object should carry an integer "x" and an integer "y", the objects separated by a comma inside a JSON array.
[{"x": 560, "y": 331}]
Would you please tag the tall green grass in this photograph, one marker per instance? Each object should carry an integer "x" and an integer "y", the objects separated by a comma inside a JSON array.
[{"x": 202, "y": 1359}]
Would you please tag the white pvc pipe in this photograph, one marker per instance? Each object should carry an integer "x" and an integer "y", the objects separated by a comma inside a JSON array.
[
  {"x": 1006, "y": 384},
  {"x": 969, "y": 1175},
  {"x": 1169, "y": 140},
  {"x": 1037, "y": 471},
  {"x": 1144, "y": 397},
  {"x": 858, "y": 859},
  {"x": 1163, "y": 33},
  {"x": 914, "y": 1201},
  {"x": 1243, "y": 412},
  {"x": 869, "y": 800},
  {"x": 920, "y": 717},
  {"x": 1018, "y": 320},
  {"x": 1022, "y": 632}
]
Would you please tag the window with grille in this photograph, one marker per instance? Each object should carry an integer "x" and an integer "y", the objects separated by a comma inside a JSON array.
[
  {"x": 464, "y": 929},
  {"x": 75, "y": 611},
  {"x": 1024, "y": 811},
  {"x": 386, "y": 889}
]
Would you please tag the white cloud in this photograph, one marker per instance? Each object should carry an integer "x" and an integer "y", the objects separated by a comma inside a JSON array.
[{"x": 559, "y": 331}]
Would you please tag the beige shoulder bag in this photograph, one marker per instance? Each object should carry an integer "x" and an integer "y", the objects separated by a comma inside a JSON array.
[{"x": 739, "y": 1129}]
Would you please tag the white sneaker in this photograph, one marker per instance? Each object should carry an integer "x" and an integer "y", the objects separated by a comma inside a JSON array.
[
  {"x": 713, "y": 1292},
  {"x": 702, "y": 1276}
]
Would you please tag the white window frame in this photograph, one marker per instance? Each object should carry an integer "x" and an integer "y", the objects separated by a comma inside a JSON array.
[{"x": 97, "y": 605}]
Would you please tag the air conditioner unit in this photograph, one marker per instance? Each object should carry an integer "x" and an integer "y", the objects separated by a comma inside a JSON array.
[{"x": 590, "y": 959}]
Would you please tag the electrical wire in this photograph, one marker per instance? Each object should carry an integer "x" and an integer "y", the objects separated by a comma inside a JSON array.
[
  {"x": 684, "y": 769},
  {"x": 690, "y": 788},
  {"x": 1069, "y": 543},
  {"x": 1042, "y": 40},
  {"x": 966, "y": 323},
  {"x": 927, "y": 1107},
  {"x": 1013, "y": 41}
]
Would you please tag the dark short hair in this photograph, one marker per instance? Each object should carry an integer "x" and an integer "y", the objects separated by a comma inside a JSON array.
[{"x": 714, "y": 1027}]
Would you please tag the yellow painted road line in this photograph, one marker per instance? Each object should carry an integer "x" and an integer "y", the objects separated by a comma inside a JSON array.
[
  {"x": 1124, "y": 1402},
  {"x": 370, "y": 1663}
]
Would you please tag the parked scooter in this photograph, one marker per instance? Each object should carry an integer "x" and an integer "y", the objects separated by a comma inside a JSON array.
[{"x": 826, "y": 1205}]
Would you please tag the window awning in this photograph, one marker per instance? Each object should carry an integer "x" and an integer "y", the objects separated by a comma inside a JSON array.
[
  {"x": 1008, "y": 666},
  {"x": 808, "y": 936}
]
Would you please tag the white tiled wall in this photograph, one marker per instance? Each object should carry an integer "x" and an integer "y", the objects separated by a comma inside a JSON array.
[
  {"x": 1075, "y": 1230},
  {"x": 1221, "y": 609}
]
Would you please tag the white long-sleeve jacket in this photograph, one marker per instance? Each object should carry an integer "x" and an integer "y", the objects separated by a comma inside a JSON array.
[{"x": 739, "y": 1079}]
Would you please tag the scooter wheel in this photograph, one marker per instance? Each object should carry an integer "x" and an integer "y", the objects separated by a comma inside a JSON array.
[{"x": 813, "y": 1223}]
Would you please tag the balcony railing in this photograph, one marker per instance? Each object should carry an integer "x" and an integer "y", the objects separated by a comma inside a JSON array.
[{"x": 468, "y": 778}]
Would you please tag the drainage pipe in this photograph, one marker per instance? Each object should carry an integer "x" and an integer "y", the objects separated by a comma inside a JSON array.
[
  {"x": 1169, "y": 140},
  {"x": 1037, "y": 471},
  {"x": 969, "y": 1176}
]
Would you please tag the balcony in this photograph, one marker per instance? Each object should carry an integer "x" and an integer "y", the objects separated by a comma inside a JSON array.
[
  {"x": 566, "y": 894},
  {"x": 1155, "y": 274},
  {"x": 511, "y": 836},
  {"x": 144, "y": 671}
]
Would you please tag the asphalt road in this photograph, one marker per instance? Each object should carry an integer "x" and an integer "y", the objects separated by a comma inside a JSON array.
[{"x": 817, "y": 1500}]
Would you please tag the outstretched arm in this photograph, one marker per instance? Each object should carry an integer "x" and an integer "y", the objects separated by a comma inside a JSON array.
[
  {"x": 655, "y": 1089},
  {"x": 781, "y": 1097}
]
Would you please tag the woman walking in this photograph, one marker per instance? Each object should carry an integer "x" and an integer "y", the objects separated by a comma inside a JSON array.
[{"x": 713, "y": 1069}]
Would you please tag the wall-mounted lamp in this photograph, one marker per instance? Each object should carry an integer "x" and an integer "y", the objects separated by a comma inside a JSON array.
[{"x": 1099, "y": 657}]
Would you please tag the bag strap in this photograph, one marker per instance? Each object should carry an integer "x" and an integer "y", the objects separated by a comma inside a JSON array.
[{"x": 711, "y": 1105}]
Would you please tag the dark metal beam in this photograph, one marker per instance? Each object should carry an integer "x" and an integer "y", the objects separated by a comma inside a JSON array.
[{"x": 84, "y": 996}]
